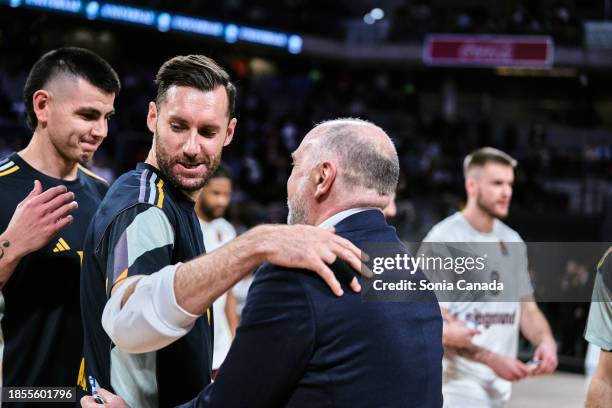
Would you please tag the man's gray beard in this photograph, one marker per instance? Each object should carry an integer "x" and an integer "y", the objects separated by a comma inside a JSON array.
[{"x": 296, "y": 215}]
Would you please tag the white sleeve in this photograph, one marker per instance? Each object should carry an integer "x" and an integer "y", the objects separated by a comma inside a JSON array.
[{"x": 151, "y": 318}]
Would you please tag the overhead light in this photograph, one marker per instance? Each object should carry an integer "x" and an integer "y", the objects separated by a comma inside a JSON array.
[
  {"x": 368, "y": 19},
  {"x": 92, "y": 9},
  {"x": 295, "y": 44},
  {"x": 231, "y": 33},
  {"x": 377, "y": 13},
  {"x": 163, "y": 22}
]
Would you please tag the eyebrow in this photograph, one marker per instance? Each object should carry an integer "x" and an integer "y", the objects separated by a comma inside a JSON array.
[
  {"x": 208, "y": 127},
  {"x": 92, "y": 111}
]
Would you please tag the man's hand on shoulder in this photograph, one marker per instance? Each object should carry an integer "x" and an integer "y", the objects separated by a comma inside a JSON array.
[{"x": 312, "y": 248}]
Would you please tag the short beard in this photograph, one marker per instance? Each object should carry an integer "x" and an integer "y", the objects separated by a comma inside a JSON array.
[
  {"x": 483, "y": 207},
  {"x": 297, "y": 214},
  {"x": 165, "y": 166}
]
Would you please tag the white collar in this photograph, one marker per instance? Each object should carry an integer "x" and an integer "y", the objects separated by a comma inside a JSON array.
[{"x": 336, "y": 218}]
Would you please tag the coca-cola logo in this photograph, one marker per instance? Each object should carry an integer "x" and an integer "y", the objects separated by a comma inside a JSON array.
[{"x": 485, "y": 51}]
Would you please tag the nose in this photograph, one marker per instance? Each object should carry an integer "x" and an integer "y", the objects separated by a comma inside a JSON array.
[
  {"x": 190, "y": 147},
  {"x": 100, "y": 128},
  {"x": 507, "y": 191}
]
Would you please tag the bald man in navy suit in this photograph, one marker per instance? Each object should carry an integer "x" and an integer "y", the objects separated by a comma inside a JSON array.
[{"x": 299, "y": 345}]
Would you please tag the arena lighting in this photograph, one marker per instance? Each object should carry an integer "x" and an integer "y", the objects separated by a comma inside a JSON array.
[
  {"x": 92, "y": 9},
  {"x": 127, "y": 14},
  {"x": 164, "y": 21},
  {"x": 66, "y": 6},
  {"x": 377, "y": 13}
]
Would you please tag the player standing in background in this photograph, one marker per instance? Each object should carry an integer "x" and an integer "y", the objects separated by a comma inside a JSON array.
[
  {"x": 599, "y": 334},
  {"x": 69, "y": 96},
  {"x": 480, "y": 374},
  {"x": 210, "y": 207}
]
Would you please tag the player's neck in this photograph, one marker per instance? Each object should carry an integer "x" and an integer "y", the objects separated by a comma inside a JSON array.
[
  {"x": 478, "y": 219},
  {"x": 44, "y": 157}
]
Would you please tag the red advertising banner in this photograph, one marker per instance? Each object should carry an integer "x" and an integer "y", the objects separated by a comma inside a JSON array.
[{"x": 488, "y": 50}]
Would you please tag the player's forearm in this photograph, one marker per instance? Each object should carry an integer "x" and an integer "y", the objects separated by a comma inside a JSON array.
[
  {"x": 475, "y": 353},
  {"x": 600, "y": 393},
  {"x": 534, "y": 325},
  {"x": 142, "y": 314},
  {"x": 199, "y": 282},
  {"x": 10, "y": 255}
]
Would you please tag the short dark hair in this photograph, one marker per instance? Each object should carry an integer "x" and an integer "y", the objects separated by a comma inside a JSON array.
[
  {"x": 220, "y": 172},
  {"x": 195, "y": 71},
  {"x": 74, "y": 61},
  {"x": 484, "y": 155}
]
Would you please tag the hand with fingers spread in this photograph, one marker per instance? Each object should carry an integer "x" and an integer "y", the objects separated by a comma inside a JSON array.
[
  {"x": 35, "y": 221},
  {"x": 315, "y": 249}
]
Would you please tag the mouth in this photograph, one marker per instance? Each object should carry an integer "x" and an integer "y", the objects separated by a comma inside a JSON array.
[
  {"x": 88, "y": 145},
  {"x": 191, "y": 168},
  {"x": 503, "y": 204}
]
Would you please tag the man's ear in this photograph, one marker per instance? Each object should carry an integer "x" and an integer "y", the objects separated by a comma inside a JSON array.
[
  {"x": 471, "y": 186},
  {"x": 230, "y": 131},
  {"x": 152, "y": 117},
  {"x": 324, "y": 177},
  {"x": 40, "y": 103}
]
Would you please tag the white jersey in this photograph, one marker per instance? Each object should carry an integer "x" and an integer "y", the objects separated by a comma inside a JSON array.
[
  {"x": 216, "y": 233},
  {"x": 466, "y": 382}
]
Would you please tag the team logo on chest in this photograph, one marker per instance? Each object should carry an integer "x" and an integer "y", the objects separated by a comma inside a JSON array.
[{"x": 61, "y": 246}]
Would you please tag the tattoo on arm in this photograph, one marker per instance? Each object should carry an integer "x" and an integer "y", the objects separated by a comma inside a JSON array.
[{"x": 4, "y": 244}]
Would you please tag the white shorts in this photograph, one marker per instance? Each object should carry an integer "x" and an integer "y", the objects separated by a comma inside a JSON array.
[{"x": 473, "y": 393}]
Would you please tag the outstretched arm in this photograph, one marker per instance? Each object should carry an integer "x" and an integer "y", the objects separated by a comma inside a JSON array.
[{"x": 163, "y": 301}]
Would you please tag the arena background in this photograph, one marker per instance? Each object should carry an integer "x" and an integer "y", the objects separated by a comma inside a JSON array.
[{"x": 298, "y": 62}]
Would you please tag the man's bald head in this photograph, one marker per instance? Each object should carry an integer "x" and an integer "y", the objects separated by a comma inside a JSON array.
[{"x": 364, "y": 153}]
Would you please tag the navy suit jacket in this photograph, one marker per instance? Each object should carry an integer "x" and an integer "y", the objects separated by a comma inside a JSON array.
[{"x": 299, "y": 345}]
